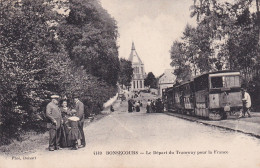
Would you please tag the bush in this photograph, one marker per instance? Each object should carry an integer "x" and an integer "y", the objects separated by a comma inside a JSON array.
[{"x": 36, "y": 62}]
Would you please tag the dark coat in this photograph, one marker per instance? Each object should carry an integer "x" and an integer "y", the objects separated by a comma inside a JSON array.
[
  {"x": 130, "y": 106},
  {"x": 53, "y": 113},
  {"x": 80, "y": 110}
]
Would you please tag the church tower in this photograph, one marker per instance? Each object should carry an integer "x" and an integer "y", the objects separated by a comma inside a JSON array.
[{"x": 139, "y": 73}]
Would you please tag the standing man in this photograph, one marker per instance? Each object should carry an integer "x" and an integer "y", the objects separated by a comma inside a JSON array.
[
  {"x": 79, "y": 107},
  {"x": 148, "y": 107},
  {"x": 246, "y": 103},
  {"x": 53, "y": 113}
]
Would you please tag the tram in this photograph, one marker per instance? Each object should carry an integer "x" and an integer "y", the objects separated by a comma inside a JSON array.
[{"x": 211, "y": 96}]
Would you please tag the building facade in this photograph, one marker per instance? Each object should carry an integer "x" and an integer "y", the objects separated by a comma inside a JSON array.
[
  {"x": 167, "y": 79},
  {"x": 139, "y": 72}
]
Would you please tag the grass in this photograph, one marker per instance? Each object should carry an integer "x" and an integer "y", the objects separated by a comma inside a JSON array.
[{"x": 33, "y": 142}]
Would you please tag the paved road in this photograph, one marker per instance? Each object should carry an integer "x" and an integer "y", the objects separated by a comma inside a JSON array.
[{"x": 156, "y": 136}]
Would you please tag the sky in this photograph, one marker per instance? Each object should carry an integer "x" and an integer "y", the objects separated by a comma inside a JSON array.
[{"x": 153, "y": 25}]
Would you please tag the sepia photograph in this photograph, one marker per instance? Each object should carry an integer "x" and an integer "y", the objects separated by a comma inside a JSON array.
[{"x": 129, "y": 84}]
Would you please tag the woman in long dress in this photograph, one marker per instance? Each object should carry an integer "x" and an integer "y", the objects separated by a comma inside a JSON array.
[
  {"x": 130, "y": 106},
  {"x": 65, "y": 113},
  {"x": 74, "y": 133},
  {"x": 137, "y": 106}
]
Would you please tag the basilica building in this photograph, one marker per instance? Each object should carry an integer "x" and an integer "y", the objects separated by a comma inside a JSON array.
[{"x": 139, "y": 72}]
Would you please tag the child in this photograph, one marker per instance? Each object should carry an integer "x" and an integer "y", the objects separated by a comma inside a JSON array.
[{"x": 74, "y": 133}]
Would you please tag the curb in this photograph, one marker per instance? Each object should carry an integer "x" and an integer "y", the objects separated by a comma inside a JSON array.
[{"x": 212, "y": 125}]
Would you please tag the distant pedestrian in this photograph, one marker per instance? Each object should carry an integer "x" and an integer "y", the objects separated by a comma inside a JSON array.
[
  {"x": 148, "y": 106},
  {"x": 112, "y": 108},
  {"x": 137, "y": 107},
  {"x": 159, "y": 106},
  {"x": 53, "y": 113},
  {"x": 133, "y": 105},
  {"x": 153, "y": 108},
  {"x": 246, "y": 99},
  {"x": 130, "y": 106}
]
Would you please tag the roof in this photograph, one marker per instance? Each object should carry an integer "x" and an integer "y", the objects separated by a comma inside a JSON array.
[
  {"x": 222, "y": 71},
  {"x": 134, "y": 58}
]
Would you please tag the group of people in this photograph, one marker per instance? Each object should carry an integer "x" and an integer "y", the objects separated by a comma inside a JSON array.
[
  {"x": 134, "y": 105},
  {"x": 65, "y": 124},
  {"x": 154, "y": 106}
]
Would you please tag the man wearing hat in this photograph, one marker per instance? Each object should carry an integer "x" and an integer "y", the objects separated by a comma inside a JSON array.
[
  {"x": 246, "y": 103},
  {"x": 53, "y": 113},
  {"x": 79, "y": 107}
]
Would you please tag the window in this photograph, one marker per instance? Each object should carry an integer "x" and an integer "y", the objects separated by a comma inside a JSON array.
[
  {"x": 141, "y": 84},
  {"x": 225, "y": 81},
  {"x": 232, "y": 81},
  {"x": 134, "y": 84},
  {"x": 217, "y": 82}
]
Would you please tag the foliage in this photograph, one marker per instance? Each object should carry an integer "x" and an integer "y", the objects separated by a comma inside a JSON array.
[
  {"x": 89, "y": 34},
  {"x": 36, "y": 62},
  {"x": 226, "y": 37},
  {"x": 126, "y": 72},
  {"x": 150, "y": 80},
  {"x": 179, "y": 61}
]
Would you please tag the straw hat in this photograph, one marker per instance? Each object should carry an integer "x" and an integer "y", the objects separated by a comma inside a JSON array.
[
  {"x": 74, "y": 118},
  {"x": 55, "y": 96}
]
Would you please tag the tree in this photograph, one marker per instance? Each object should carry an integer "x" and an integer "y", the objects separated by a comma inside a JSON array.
[
  {"x": 38, "y": 59},
  {"x": 180, "y": 61},
  {"x": 150, "y": 81},
  {"x": 126, "y": 72},
  {"x": 90, "y": 34},
  {"x": 25, "y": 47},
  {"x": 234, "y": 34},
  {"x": 226, "y": 36}
]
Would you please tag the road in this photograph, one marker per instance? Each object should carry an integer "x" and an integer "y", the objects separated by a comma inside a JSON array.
[{"x": 139, "y": 139}]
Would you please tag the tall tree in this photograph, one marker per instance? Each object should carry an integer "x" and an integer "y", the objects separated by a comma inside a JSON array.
[
  {"x": 150, "y": 80},
  {"x": 126, "y": 72},
  {"x": 36, "y": 60},
  {"x": 90, "y": 36},
  {"x": 180, "y": 61}
]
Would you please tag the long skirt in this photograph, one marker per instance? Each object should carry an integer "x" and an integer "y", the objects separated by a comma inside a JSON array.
[
  {"x": 65, "y": 142},
  {"x": 137, "y": 108},
  {"x": 148, "y": 109},
  {"x": 130, "y": 108},
  {"x": 74, "y": 134}
]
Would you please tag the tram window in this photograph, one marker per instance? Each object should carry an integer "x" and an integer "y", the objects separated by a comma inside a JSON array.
[
  {"x": 225, "y": 81},
  {"x": 217, "y": 82},
  {"x": 232, "y": 81}
]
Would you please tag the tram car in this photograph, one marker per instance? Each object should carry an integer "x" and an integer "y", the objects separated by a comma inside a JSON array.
[
  {"x": 167, "y": 98},
  {"x": 212, "y": 95},
  {"x": 187, "y": 98}
]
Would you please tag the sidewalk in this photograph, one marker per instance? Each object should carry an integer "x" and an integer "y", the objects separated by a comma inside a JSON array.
[{"x": 249, "y": 126}]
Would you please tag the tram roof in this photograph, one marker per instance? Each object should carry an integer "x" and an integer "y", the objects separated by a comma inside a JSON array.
[
  {"x": 208, "y": 73},
  {"x": 216, "y": 72},
  {"x": 184, "y": 83}
]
